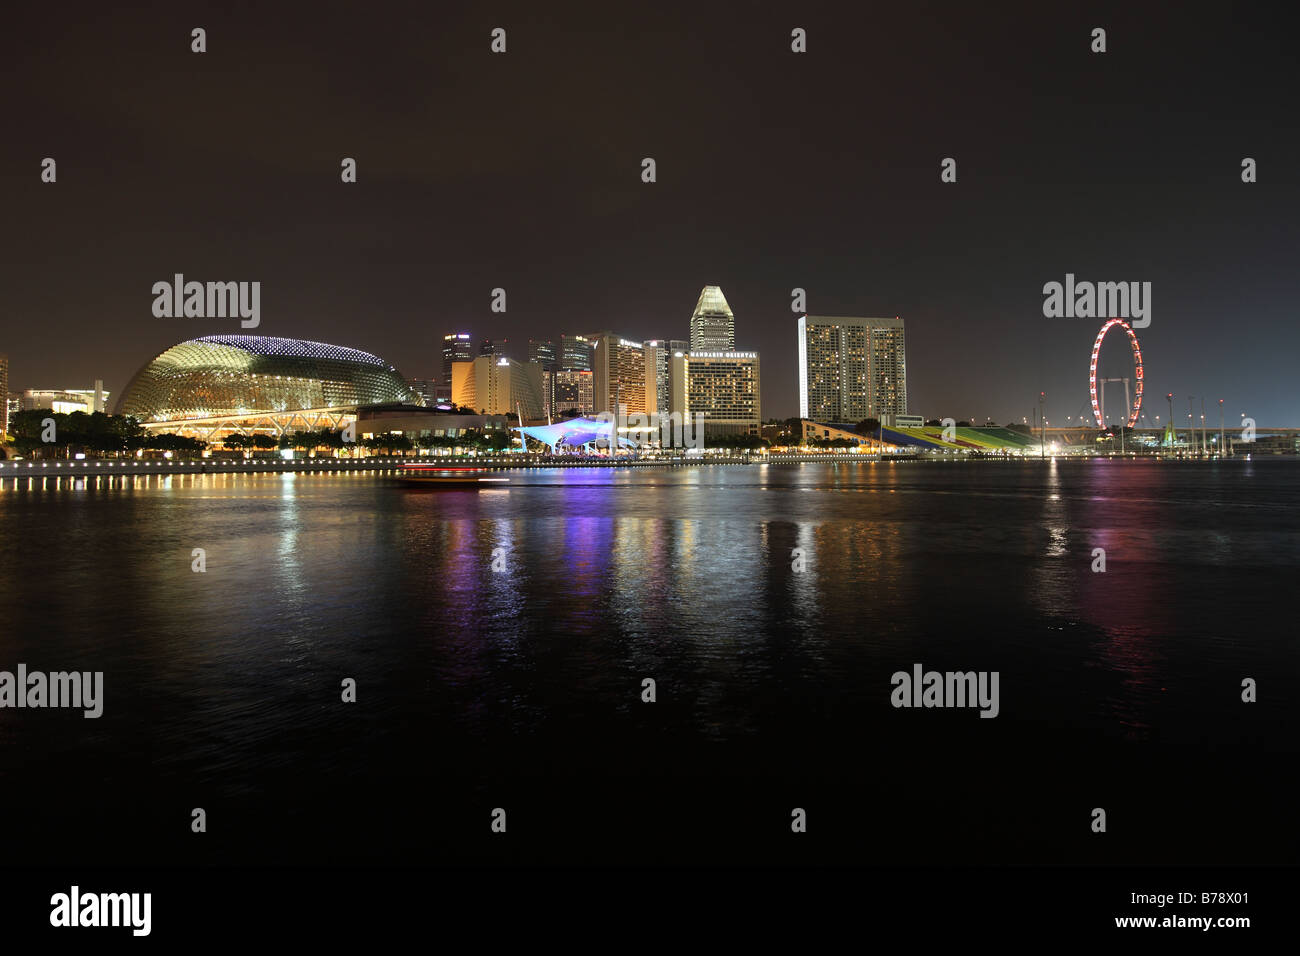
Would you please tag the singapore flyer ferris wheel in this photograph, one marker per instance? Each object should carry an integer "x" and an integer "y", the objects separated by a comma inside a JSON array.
[{"x": 1098, "y": 407}]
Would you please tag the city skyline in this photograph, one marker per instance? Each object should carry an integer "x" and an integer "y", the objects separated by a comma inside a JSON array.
[
  {"x": 859, "y": 219},
  {"x": 891, "y": 402}
]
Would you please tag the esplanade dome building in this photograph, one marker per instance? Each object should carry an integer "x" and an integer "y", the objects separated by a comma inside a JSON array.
[{"x": 223, "y": 383}]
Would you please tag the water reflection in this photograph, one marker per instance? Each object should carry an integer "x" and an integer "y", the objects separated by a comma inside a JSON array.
[{"x": 737, "y": 587}]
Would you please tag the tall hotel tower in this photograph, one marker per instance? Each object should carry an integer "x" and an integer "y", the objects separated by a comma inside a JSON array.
[
  {"x": 711, "y": 379},
  {"x": 619, "y": 380},
  {"x": 851, "y": 368}
]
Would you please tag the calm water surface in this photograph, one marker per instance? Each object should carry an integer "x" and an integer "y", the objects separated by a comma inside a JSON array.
[{"x": 521, "y": 688}]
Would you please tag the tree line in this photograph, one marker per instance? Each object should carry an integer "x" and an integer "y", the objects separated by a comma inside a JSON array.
[{"x": 64, "y": 434}]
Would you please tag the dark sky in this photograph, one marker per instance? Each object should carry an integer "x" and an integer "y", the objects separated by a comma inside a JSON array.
[{"x": 775, "y": 170}]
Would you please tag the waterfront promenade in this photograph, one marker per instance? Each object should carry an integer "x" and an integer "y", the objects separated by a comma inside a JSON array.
[{"x": 374, "y": 465}]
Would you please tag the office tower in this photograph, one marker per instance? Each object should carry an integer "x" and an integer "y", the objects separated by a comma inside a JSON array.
[
  {"x": 573, "y": 389},
  {"x": 658, "y": 367},
  {"x": 575, "y": 352},
  {"x": 4, "y": 396},
  {"x": 851, "y": 368},
  {"x": 500, "y": 348},
  {"x": 543, "y": 353},
  {"x": 496, "y": 385},
  {"x": 426, "y": 389},
  {"x": 677, "y": 382},
  {"x": 724, "y": 387},
  {"x": 456, "y": 347},
  {"x": 620, "y": 374},
  {"x": 658, "y": 354},
  {"x": 656, "y": 375},
  {"x": 713, "y": 327}
]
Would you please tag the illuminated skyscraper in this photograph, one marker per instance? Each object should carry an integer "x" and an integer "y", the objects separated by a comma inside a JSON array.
[
  {"x": 721, "y": 386},
  {"x": 542, "y": 352},
  {"x": 713, "y": 326},
  {"x": 620, "y": 374},
  {"x": 4, "y": 396},
  {"x": 426, "y": 389},
  {"x": 456, "y": 347},
  {"x": 575, "y": 352},
  {"x": 497, "y": 385},
  {"x": 851, "y": 368},
  {"x": 656, "y": 375},
  {"x": 572, "y": 389}
]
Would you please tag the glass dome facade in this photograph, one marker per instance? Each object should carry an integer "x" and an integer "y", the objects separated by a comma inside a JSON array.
[{"x": 220, "y": 375}]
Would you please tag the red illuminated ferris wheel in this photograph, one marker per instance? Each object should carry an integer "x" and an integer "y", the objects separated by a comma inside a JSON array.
[{"x": 1097, "y": 407}]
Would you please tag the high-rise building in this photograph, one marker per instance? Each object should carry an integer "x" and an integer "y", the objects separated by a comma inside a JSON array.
[
  {"x": 573, "y": 389},
  {"x": 426, "y": 389},
  {"x": 4, "y": 397},
  {"x": 851, "y": 368},
  {"x": 456, "y": 347},
  {"x": 713, "y": 326},
  {"x": 658, "y": 368},
  {"x": 14, "y": 404},
  {"x": 575, "y": 352},
  {"x": 498, "y": 347},
  {"x": 723, "y": 387},
  {"x": 656, "y": 375},
  {"x": 496, "y": 385},
  {"x": 887, "y": 372},
  {"x": 542, "y": 352},
  {"x": 620, "y": 374}
]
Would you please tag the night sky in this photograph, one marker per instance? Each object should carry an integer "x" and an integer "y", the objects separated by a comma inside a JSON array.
[{"x": 775, "y": 171}]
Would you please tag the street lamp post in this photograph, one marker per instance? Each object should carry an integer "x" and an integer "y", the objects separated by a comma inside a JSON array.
[
  {"x": 1042, "y": 427},
  {"x": 1205, "y": 445},
  {"x": 1220, "y": 428},
  {"x": 1170, "y": 398}
]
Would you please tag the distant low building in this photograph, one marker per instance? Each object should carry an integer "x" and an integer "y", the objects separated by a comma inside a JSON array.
[
  {"x": 65, "y": 400},
  {"x": 416, "y": 422},
  {"x": 825, "y": 432}
]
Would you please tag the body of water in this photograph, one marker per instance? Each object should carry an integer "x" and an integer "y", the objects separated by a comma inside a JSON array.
[{"x": 769, "y": 604}]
